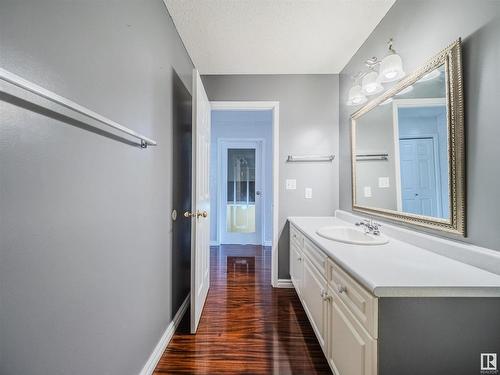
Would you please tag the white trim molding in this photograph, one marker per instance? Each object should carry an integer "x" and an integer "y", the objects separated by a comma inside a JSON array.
[
  {"x": 262, "y": 106},
  {"x": 284, "y": 283},
  {"x": 154, "y": 358}
]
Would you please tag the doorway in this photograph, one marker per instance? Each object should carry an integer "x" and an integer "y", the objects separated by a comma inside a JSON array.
[
  {"x": 241, "y": 218},
  {"x": 245, "y": 194},
  {"x": 421, "y": 156}
]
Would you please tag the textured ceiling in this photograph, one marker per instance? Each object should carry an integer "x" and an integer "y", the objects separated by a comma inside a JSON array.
[{"x": 274, "y": 36}]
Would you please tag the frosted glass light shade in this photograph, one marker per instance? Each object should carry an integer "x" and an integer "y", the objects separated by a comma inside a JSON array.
[
  {"x": 356, "y": 96},
  {"x": 391, "y": 68},
  {"x": 370, "y": 84}
]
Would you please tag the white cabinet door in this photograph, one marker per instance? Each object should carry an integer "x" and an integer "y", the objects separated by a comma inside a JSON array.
[
  {"x": 351, "y": 350},
  {"x": 312, "y": 291},
  {"x": 296, "y": 268}
]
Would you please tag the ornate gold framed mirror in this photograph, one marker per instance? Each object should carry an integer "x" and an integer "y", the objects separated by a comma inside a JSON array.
[{"x": 407, "y": 147}]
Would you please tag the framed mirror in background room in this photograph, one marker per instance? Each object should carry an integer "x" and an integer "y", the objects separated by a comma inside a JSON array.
[{"x": 408, "y": 156}]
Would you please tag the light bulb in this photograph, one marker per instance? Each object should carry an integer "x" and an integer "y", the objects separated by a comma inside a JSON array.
[
  {"x": 391, "y": 68},
  {"x": 370, "y": 84},
  {"x": 356, "y": 96}
]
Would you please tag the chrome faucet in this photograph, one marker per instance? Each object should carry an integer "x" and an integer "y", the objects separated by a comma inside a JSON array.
[{"x": 370, "y": 226}]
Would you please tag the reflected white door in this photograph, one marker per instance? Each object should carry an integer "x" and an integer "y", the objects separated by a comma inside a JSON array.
[
  {"x": 200, "y": 243},
  {"x": 418, "y": 176},
  {"x": 240, "y": 220}
]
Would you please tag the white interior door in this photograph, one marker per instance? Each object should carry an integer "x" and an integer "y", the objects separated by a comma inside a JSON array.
[
  {"x": 200, "y": 243},
  {"x": 418, "y": 176},
  {"x": 240, "y": 219}
]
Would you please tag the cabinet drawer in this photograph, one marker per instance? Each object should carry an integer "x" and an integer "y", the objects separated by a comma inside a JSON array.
[
  {"x": 362, "y": 304},
  {"x": 296, "y": 237},
  {"x": 315, "y": 255}
]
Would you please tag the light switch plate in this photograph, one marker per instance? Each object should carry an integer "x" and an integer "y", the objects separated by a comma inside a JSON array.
[
  {"x": 291, "y": 184},
  {"x": 367, "y": 191},
  {"x": 383, "y": 182},
  {"x": 309, "y": 193}
]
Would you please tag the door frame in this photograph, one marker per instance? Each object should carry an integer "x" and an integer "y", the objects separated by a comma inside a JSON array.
[
  {"x": 227, "y": 142},
  {"x": 409, "y": 103},
  {"x": 274, "y": 107}
]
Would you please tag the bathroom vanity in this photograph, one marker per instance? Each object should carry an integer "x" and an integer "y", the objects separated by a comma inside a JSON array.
[{"x": 393, "y": 308}]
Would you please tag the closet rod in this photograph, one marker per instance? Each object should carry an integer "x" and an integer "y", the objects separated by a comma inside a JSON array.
[{"x": 14, "y": 79}]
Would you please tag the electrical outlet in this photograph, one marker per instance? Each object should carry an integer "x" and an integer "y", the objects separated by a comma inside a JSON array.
[
  {"x": 368, "y": 191},
  {"x": 309, "y": 193},
  {"x": 291, "y": 184}
]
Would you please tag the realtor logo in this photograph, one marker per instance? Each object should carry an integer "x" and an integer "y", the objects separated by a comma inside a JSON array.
[{"x": 489, "y": 363}]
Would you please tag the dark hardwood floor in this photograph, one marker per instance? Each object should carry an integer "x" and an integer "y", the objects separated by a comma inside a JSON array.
[{"x": 247, "y": 327}]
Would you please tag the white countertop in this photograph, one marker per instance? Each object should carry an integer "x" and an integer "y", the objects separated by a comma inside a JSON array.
[{"x": 399, "y": 269}]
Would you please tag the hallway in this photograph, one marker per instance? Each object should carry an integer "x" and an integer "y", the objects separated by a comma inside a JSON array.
[{"x": 246, "y": 326}]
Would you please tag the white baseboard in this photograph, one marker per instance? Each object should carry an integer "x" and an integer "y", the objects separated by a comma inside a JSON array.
[
  {"x": 284, "y": 283},
  {"x": 154, "y": 358}
]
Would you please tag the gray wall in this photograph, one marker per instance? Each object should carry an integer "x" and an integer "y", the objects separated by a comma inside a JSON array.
[
  {"x": 85, "y": 274},
  {"x": 420, "y": 30},
  {"x": 375, "y": 134},
  {"x": 436, "y": 336},
  {"x": 308, "y": 125}
]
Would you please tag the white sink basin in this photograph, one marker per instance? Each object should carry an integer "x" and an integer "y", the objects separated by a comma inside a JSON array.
[{"x": 351, "y": 235}]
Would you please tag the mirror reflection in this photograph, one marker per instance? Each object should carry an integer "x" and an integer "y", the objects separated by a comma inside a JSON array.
[{"x": 401, "y": 151}]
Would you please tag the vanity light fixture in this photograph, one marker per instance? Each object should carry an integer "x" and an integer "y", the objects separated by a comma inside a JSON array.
[
  {"x": 391, "y": 66},
  {"x": 390, "y": 69},
  {"x": 370, "y": 84},
  {"x": 356, "y": 96}
]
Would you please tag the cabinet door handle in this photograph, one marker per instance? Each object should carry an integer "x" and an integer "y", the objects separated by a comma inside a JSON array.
[
  {"x": 341, "y": 289},
  {"x": 326, "y": 296}
]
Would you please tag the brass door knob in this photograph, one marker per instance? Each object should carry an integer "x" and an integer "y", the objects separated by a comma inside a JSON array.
[{"x": 202, "y": 214}]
